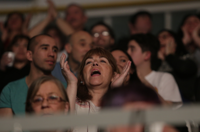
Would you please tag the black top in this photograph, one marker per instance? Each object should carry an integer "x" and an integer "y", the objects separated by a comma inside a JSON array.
[
  {"x": 184, "y": 72},
  {"x": 13, "y": 74}
]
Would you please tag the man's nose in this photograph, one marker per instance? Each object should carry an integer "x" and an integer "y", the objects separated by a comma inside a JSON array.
[{"x": 52, "y": 53}]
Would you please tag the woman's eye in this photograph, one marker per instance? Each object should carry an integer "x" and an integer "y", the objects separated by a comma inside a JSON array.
[
  {"x": 52, "y": 97},
  {"x": 88, "y": 62},
  {"x": 44, "y": 48},
  {"x": 103, "y": 61},
  {"x": 123, "y": 60},
  {"x": 37, "y": 100}
]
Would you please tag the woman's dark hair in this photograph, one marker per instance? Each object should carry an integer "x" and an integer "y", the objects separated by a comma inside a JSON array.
[
  {"x": 180, "y": 49},
  {"x": 13, "y": 13},
  {"x": 82, "y": 91},
  {"x": 180, "y": 32},
  {"x": 105, "y": 25},
  {"x": 131, "y": 93},
  {"x": 16, "y": 38}
]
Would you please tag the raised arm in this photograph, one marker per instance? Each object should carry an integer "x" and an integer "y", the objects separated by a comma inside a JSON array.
[
  {"x": 63, "y": 25},
  {"x": 37, "y": 29},
  {"x": 26, "y": 24},
  {"x": 186, "y": 36},
  {"x": 71, "y": 82},
  {"x": 196, "y": 35}
]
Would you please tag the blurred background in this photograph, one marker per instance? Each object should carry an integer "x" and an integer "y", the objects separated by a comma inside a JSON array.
[{"x": 165, "y": 13}]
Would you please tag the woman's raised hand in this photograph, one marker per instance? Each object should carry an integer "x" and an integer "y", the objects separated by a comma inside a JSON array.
[
  {"x": 186, "y": 36},
  {"x": 26, "y": 24},
  {"x": 118, "y": 79},
  {"x": 52, "y": 9},
  {"x": 170, "y": 47},
  {"x": 69, "y": 76},
  {"x": 196, "y": 35}
]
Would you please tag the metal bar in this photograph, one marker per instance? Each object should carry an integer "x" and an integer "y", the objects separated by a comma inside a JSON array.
[{"x": 105, "y": 118}]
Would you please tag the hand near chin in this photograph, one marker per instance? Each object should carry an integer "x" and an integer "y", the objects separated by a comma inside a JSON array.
[
  {"x": 118, "y": 79},
  {"x": 196, "y": 35},
  {"x": 186, "y": 36},
  {"x": 68, "y": 75},
  {"x": 170, "y": 47}
]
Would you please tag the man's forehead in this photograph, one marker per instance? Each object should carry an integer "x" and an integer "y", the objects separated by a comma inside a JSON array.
[
  {"x": 76, "y": 7},
  {"x": 82, "y": 35},
  {"x": 45, "y": 40},
  {"x": 100, "y": 27}
]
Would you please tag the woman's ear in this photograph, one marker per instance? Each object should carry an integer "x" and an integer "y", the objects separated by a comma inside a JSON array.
[{"x": 29, "y": 55}]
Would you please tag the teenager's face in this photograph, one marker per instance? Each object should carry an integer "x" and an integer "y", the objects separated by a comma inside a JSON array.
[
  {"x": 135, "y": 51},
  {"x": 45, "y": 54}
]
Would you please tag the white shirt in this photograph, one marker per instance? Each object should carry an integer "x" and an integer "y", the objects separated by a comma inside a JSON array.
[
  {"x": 165, "y": 84},
  {"x": 86, "y": 108}
]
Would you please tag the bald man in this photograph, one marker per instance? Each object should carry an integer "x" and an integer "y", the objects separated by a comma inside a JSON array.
[
  {"x": 79, "y": 44},
  {"x": 42, "y": 53}
]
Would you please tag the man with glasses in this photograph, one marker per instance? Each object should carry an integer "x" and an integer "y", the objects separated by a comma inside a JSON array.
[{"x": 103, "y": 35}]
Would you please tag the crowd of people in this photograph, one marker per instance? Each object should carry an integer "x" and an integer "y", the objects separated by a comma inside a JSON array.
[{"x": 60, "y": 66}]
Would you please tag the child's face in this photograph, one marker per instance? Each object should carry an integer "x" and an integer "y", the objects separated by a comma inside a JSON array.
[{"x": 135, "y": 51}]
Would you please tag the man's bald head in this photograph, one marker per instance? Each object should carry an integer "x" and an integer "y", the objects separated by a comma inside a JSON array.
[
  {"x": 80, "y": 43},
  {"x": 79, "y": 36},
  {"x": 34, "y": 41}
]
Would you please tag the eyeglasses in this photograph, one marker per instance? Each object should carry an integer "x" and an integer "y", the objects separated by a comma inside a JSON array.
[
  {"x": 104, "y": 33},
  {"x": 52, "y": 99}
]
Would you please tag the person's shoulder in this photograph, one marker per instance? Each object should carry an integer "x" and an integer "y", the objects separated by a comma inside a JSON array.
[
  {"x": 16, "y": 84},
  {"x": 64, "y": 84},
  {"x": 162, "y": 74}
]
